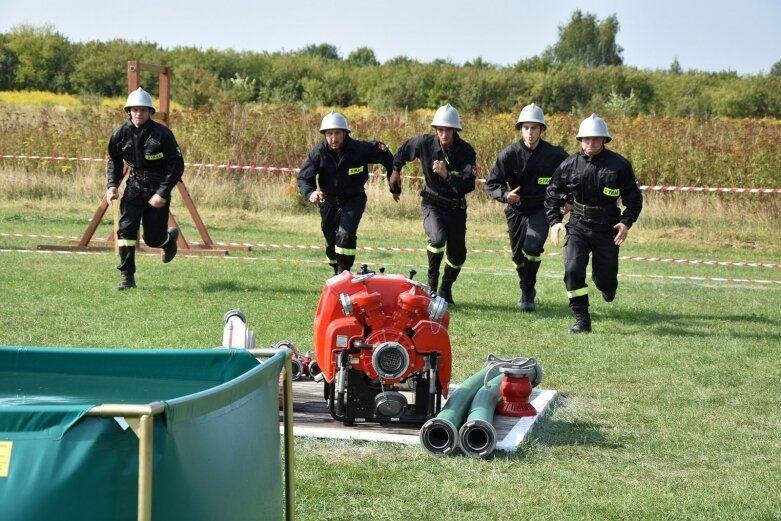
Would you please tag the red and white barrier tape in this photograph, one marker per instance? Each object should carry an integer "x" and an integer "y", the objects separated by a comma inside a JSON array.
[
  {"x": 699, "y": 279},
  {"x": 306, "y": 261},
  {"x": 228, "y": 166},
  {"x": 51, "y": 158},
  {"x": 707, "y": 189},
  {"x": 665, "y": 260}
]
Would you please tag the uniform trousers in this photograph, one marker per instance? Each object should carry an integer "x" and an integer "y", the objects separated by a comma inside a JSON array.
[
  {"x": 339, "y": 220},
  {"x": 580, "y": 242}
]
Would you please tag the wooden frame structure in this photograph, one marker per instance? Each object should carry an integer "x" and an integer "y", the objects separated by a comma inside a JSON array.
[{"x": 207, "y": 246}]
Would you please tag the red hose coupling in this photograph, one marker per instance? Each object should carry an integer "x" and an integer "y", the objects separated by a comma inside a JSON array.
[{"x": 515, "y": 392}]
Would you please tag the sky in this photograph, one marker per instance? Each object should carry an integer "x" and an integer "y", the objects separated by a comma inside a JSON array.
[{"x": 703, "y": 35}]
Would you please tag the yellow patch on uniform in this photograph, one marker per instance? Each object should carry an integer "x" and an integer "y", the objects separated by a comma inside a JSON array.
[
  {"x": 152, "y": 157},
  {"x": 543, "y": 180},
  {"x": 356, "y": 170},
  {"x": 611, "y": 192}
]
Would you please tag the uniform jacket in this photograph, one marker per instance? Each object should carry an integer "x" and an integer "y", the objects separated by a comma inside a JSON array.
[
  {"x": 149, "y": 149},
  {"x": 460, "y": 159},
  {"x": 517, "y": 165},
  {"x": 342, "y": 174},
  {"x": 598, "y": 181}
]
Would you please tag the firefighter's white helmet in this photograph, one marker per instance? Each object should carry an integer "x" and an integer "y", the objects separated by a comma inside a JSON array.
[
  {"x": 334, "y": 121},
  {"x": 593, "y": 126},
  {"x": 139, "y": 98},
  {"x": 447, "y": 116},
  {"x": 531, "y": 114}
]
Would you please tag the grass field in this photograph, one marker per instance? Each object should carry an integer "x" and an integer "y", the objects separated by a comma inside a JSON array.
[{"x": 669, "y": 410}]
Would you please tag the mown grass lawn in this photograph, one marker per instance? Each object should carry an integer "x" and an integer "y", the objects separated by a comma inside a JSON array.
[{"x": 669, "y": 410}]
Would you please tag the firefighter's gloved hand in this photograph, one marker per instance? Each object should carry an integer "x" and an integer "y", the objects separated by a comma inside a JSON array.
[{"x": 394, "y": 183}]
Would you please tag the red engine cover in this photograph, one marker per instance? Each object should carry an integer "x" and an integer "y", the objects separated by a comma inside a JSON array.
[{"x": 384, "y": 309}]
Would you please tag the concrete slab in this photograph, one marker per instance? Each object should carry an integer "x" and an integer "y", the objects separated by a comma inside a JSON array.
[{"x": 311, "y": 419}]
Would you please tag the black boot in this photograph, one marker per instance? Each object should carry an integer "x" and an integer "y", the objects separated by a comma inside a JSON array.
[
  {"x": 344, "y": 261},
  {"x": 527, "y": 301},
  {"x": 126, "y": 282},
  {"x": 169, "y": 248},
  {"x": 521, "y": 270},
  {"x": 434, "y": 262},
  {"x": 582, "y": 322},
  {"x": 446, "y": 292},
  {"x": 448, "y": 278},
  {"x": 528, "y": 282},
  {"x": 127, "y": 267},
  {"x": 433, "y": 283},
  {"x": 579, "y": 306}
]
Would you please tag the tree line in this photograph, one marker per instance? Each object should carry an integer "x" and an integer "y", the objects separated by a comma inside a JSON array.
[{"x": 582, "y": 72}]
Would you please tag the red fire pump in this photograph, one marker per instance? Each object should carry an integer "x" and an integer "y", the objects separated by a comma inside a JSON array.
[{"x": 382, "y": 344}]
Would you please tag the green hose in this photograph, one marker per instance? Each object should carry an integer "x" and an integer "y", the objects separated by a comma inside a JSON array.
[
  {"x": 477, "y": 436},
  {"x": 439, "y": 435}
]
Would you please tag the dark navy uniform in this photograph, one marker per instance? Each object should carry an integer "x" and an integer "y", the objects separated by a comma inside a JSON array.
[
  {"x": 156, "y": 166},
  {"x": 443, "y": 202},
  {"x": 531, "y": 170},
  {"x": 596, "y": 184},
  {"x": 342, "y": 177}
]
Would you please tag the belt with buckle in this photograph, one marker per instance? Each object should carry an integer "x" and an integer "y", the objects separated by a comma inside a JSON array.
[{"x": 588, "y": 212}]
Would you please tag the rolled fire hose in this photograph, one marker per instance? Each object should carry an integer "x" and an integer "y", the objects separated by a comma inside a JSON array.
[
  {"x": 439, "y": 435},
  {"x": 477, "y": 436}
]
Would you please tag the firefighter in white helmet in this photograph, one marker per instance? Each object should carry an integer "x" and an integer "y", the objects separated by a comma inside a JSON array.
[
  {"x": 519, "y": 178},
  {"x": 448, "y": 164},
  {"x": 339, "y": 164},
  {"x": 150, "y": 151},
  {"x": 596, "y": 178}
]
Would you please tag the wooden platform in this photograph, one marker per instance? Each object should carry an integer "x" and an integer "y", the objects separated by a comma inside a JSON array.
[{"x": 312, "y": 419}]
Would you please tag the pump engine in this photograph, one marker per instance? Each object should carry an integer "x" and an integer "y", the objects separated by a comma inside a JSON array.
[{"x": 382, "y": 344}]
